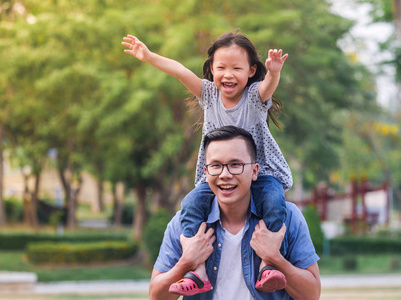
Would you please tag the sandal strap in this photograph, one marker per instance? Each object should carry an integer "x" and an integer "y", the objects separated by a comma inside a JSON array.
[
  {"x": 195, "y": 278},
  {"x": 264, "y": 269}
]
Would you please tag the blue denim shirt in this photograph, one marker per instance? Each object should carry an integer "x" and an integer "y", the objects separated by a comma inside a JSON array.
[{"x": 301, "y": 252}]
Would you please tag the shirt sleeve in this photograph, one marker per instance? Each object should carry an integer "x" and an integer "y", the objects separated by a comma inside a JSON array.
[
  {"x": 301, "y": 252},
  {"x": 170, "y": 250}
]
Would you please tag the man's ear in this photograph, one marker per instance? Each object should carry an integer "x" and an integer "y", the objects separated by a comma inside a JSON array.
[
  {"x": 255, "y": 172},
  {"x": 204, "y": 168}
]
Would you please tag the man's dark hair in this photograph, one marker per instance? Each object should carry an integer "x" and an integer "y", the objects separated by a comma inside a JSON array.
[{"x": 228, "y": 133}]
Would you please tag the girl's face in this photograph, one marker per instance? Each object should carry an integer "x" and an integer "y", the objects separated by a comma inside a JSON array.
[{"x": 231, "y": 70}]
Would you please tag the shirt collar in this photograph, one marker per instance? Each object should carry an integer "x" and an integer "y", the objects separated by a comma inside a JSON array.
[{"x": 214, "y": 214}]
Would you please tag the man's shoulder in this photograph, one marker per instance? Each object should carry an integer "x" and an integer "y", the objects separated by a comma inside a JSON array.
[
  {"x": 292, "y": 207},
  {"x": 174, "y": 225},
  {"x": 294, "y": 214}
]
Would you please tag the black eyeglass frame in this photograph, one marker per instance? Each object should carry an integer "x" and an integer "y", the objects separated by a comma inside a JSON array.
[{"x": 228, "y": 168}]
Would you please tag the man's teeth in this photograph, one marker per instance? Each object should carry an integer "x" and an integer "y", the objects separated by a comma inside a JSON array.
[{"x": 227, "y": 186}]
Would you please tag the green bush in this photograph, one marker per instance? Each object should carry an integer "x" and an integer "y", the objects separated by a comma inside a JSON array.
[
  {"x": 19, "y": 240},
  {"x": 313, "y": 220},
  {"x": 154, "y": 231},
  {"x": 127, "y": 215},
  {"x": 14, "y": 210},
  {"x": 365, "y": 245},
  {"x": 350, "y": 263},
  {"x": 60, "y": 253}
]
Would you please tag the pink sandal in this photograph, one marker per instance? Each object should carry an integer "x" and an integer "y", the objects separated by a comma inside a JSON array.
[
  {"x": 270, "y": 280},
  {"x": 190, "y": 285}
]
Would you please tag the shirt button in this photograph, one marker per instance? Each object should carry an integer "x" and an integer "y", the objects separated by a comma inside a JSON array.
[
  {"x": 215, "y": 268},
  {"x": 219, "y": 245}
]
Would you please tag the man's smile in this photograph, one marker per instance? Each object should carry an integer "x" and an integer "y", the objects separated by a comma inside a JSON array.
[{"x": 227, "y": 187}]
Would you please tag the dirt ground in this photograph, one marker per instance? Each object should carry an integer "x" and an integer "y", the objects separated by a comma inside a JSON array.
[{"x": 388, "y": 293}]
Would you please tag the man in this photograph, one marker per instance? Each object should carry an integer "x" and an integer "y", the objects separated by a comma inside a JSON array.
[{"x": 241, "y": 238}]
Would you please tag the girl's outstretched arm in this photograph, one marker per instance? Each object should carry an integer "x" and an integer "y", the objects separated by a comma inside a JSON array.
[
  {"x": 274, "y": 64},
  {"x": 138, "y": 49}
]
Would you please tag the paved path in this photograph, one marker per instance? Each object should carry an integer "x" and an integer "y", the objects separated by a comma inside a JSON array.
[
  {"x": 92, "y": 287},
  {"x": 373, "y": 280},
  {"x": 328, "y": 281}
]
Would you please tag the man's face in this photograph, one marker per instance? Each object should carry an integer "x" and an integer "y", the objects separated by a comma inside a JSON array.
[{"x": 231, "y": 189}]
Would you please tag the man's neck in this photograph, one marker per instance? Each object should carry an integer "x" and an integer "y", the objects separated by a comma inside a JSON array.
[{"x": 233, "y": 218}]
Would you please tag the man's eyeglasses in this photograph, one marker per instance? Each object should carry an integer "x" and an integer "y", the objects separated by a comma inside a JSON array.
[{"x": 234, "y": 168}]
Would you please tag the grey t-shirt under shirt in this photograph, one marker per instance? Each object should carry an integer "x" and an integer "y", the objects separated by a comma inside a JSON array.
[{"x": 251, "y": 114}]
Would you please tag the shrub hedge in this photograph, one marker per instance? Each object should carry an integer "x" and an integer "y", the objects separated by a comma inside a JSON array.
[
  {"x": 14, "y": 209},
  {"x": 19, "y": 240},
  {"x": 61, "y": 253},
  {"x": 154, "y": 231},
  {"x": 315, "y": 229},
  {"x": 365, "y": 245}
]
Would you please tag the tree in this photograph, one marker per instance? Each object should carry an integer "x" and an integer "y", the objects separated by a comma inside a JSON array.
[{"x": 125, "y": 121}]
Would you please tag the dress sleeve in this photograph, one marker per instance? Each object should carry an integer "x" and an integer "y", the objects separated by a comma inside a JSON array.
[
  {"x": 209, "y": 94},
  {"x": 254, "y": 97}
]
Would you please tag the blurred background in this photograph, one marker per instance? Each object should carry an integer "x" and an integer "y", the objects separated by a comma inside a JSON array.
[{"x": 97, "y": 149}]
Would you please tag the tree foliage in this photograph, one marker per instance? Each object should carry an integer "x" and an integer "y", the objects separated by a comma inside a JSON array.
[{"x": 66, "y": 84}]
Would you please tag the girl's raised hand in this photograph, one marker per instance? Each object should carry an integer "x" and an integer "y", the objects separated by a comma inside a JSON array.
[
  {"x": 275, "y": 61},
  {"x": 136, "y": 47}
]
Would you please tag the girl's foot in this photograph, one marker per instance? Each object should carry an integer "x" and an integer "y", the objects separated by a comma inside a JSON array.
[
  {"x": 270, "y": 280},
  {"x": 190, "y": 285}
]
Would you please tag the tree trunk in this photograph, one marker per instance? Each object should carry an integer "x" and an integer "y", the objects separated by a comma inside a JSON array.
[
  {"x": 140, "y": 213},
  {"x": 397, "y": 10},
  {"x": 117, "y": 206},
  {"x": 100, "y": 194},
  {"x": 35, "y": 194},
  {"x": 72, "y": 204},
  {"x": 64, "y": 181},
  {"x": 30, "y": 214},
  {"x": 3, "y": 220}
]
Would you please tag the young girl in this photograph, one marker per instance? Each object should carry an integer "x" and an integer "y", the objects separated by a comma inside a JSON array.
[{"x": 236, "y": 90}]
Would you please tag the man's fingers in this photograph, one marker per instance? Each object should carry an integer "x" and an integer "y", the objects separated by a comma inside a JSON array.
[
  {"x": 210, "y": 232},
  {"x": 202, "y": 228}
]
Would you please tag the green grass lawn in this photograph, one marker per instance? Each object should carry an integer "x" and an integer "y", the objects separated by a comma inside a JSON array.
[
  {"x": 365, "y": 264},
  {"x": 15, "y": 261}
]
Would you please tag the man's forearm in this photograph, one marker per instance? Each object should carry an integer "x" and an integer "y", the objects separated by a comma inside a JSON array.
[
  {"x": 159, "y": 285},
  {"x": 160, "y": 282},
  {"x": 301, "y": 283}
]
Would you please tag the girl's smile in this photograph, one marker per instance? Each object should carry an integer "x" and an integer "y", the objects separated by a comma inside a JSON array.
[{"x": 231, "y": 71}]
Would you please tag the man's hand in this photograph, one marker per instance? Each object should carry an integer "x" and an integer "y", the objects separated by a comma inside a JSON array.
[
  {"x": 137, "y": 48},
  {"x": 197, "y": 249},
  {"x": 274, "y": 63},
  {"x": 267, "y": 243}
]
